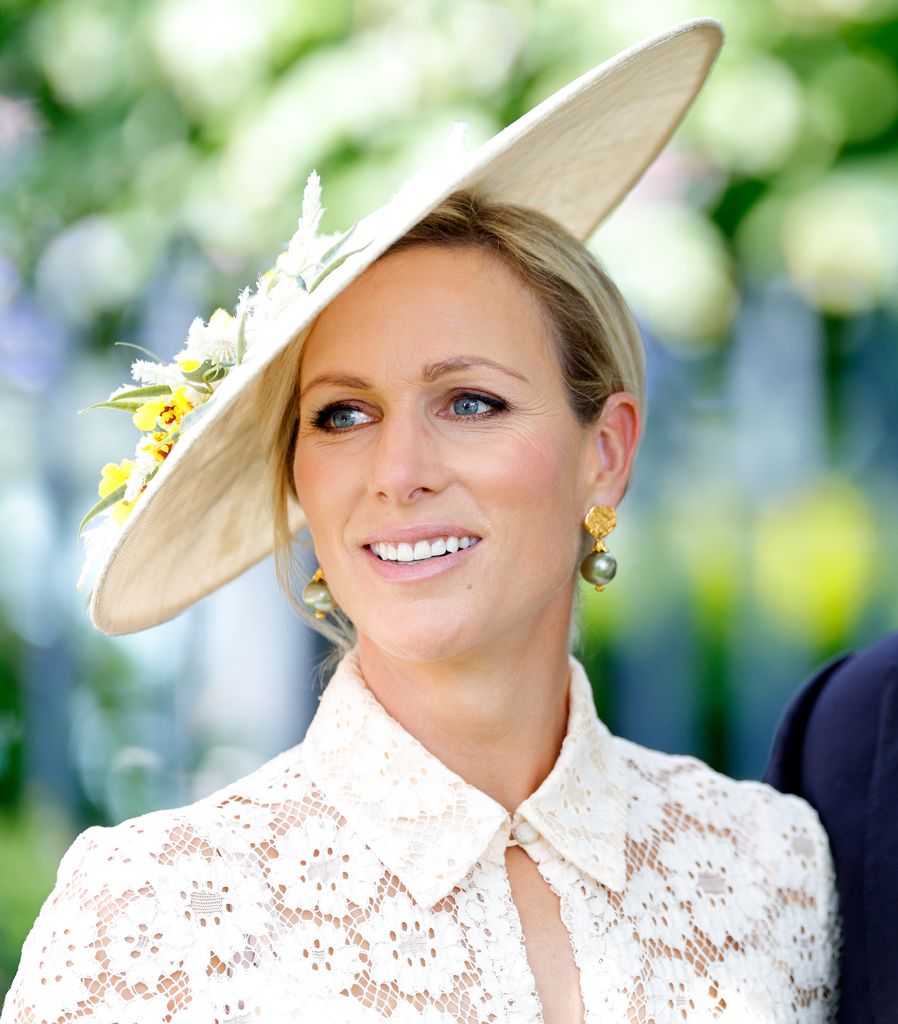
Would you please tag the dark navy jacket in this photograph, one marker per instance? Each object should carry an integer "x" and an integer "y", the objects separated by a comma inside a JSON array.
[{"x": 837, "y": 746}]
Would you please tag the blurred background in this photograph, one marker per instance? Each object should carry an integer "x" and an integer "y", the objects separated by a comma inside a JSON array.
[{"x": 152, "y": 158}]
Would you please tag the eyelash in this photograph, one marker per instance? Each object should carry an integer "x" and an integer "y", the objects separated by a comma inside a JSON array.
[{"x": 321, "y": 418}]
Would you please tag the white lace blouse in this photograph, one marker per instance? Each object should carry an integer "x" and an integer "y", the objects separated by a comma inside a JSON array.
[{"x": 355, "y": 878}]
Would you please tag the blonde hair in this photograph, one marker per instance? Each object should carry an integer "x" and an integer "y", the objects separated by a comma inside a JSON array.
[{"x": 596, "y": 339}]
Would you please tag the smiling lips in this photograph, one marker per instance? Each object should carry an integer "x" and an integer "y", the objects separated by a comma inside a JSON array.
[{"x": 421, "y": 550}]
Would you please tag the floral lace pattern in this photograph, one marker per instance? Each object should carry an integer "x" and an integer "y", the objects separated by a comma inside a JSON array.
[{"x": 356, "y": 879}]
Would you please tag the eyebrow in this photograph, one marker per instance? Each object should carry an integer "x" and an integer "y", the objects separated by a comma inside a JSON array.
[{"x": 431, "y": 372}]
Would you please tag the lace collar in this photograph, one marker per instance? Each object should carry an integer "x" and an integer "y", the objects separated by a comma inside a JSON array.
[{"x": 428, "y": 826}]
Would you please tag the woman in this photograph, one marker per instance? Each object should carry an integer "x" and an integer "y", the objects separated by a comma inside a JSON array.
[{"x": 452, "y": 402}]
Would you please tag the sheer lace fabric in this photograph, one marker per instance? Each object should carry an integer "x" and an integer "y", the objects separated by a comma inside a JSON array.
[{"x": 354, "y": 878}]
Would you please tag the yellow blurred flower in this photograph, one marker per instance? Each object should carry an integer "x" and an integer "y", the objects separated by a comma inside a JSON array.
[
  {"x": 168, "y": 410},
  {"x": 815, "y": 560},
  {"x": 121, "y": 510},
  {"x": 221, "y": 319},
  {"x": 113, "y": 476},
  {"x": 159, "y": 445}
]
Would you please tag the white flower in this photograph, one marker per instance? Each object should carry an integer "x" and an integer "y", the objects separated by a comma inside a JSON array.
[
  {"x": 215, "y": 340},
  {"x": 456, "y": 142},
  {"x": 304, "y": 249},
  {"x": 145, "y": 372},
  {"x": 97, "y": 545},
  {"x": 317, "y": 874},
  {"x": 311, "y": 205},
  {"x": 145, "y": 463},
  {"x": 418, "y": 951},
  {"x": 146, "y": 937},
  {"x": 274, "y": 291}
]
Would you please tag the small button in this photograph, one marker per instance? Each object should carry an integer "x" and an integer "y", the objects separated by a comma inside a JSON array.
[{"x": 525, "y": 833}]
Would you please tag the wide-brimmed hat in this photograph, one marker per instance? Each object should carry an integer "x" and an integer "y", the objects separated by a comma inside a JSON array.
[{"x": 192, "y": 509}]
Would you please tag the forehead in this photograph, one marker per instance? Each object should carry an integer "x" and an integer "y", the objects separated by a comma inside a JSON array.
[{"x": 428, "y": 303}]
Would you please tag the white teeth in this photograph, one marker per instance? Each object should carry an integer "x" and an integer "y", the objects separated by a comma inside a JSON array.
[{"x": 422, "y": 549}]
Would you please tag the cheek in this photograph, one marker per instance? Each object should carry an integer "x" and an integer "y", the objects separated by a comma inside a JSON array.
[
  {"x": 314, "y": 488},
  {"x": 533, "y": 486},
  {"x": 299, "y": 469}
]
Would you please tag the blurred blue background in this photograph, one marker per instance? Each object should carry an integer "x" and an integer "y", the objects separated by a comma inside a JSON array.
[{"x": 152, "y": 158}]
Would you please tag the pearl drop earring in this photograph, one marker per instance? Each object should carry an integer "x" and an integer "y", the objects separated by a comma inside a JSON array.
[
  {"x": 600, "y": 565},
  {"x": 317, "y": 595}
]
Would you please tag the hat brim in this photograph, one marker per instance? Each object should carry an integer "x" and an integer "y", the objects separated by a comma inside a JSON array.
[{"x": 205, "y": 517}]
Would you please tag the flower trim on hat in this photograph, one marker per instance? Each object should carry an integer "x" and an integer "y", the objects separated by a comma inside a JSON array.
[{"x": 169, "y": 396}]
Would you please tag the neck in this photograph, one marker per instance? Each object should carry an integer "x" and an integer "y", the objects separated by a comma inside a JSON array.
[{"x": 496, "y": 717}]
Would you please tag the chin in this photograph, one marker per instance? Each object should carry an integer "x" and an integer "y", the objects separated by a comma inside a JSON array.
[{"x": 425, "y": 636}]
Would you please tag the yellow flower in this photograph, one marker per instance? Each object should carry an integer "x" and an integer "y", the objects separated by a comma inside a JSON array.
[
  {"x": 189, "y": 365},
  {"x": 146, "y": 416},
  {"x": 113, "y": 476},
  {"x": 221, "y": 319},
  {"x": 121, "y": 510},
  {"x": 170, "y": 409},
  {"x": 159, "y": 446}
]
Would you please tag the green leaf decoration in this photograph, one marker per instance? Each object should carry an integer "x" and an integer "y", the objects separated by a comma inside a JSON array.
[
  {"x": 111, "y": 499},
  {"x": 207, "y": 372},
  {"x": 124, "y": 406},
  {"x": 335, "y": 247},
  {"x": 150, "y": 391},
  {"x": 333, "y": 266},
  {"x": 241, "y": 338},
  {"x": 140, "y": 348}
]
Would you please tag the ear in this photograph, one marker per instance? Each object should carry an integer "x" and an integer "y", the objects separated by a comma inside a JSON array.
[{"x": 614, "y": 439}]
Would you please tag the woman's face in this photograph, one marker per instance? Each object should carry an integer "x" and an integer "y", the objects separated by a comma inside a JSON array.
[{"x": 442, "y": 471}]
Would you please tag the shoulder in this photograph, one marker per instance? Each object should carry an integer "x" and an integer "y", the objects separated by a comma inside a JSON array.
[
  {"x": 684, "y": 793},
  {"x": 739, "y": 866},
  {"x": 853, "y": 687},
  {"x": 831, "y": 727},
  {"x": 227, "y": 825},
  {"x": 131, "y": 900},
  {"x": 225, "y": 830},
  {"x": 724, "y": 834},
  {"x": 853, "y": 683}
]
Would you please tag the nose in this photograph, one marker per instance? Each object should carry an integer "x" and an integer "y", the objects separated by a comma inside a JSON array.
[{"x": 406, "y": 459}]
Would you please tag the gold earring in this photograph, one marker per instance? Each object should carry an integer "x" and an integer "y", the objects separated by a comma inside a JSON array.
[
  {"x": 600, "y": 565},
  {"x": 317, "y": 595}
]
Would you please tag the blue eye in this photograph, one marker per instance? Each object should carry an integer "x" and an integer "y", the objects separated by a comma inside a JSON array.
[
  {"x": 343, "y": 418},
  {"x": 338, "y": 418},
  {"x": 470, "y": 406}
]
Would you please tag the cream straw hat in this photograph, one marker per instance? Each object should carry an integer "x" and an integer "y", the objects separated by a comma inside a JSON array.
[{"x": 192, "y": 509}]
